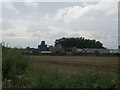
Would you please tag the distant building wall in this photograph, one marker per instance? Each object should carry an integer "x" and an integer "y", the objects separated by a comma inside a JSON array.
[
  {"x": 56, "y": 49},
  {"x": 114, "y": 51},
  {"x": 100, "y": 51},
  {"x": 89, "y": 51},
  {"x": 42, "y": 47},
  {"x": 74, "y": 50},
  {"x": 46, "y": 52}
]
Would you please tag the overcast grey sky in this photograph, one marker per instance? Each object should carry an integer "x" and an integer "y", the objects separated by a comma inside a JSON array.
[{"x": 28, "y": 23}]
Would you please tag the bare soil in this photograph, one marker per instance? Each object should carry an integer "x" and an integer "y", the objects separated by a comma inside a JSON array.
[{"x": 73, "y": 64}]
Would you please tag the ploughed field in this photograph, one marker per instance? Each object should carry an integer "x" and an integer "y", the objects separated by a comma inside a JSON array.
[{"x": 72, "y": 64}]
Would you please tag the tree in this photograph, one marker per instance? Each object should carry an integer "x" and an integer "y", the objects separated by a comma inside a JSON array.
[{"x": 78, "y": 42}]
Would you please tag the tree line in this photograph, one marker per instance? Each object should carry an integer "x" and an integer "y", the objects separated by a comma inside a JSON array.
[{"x": 78, "y": 42}]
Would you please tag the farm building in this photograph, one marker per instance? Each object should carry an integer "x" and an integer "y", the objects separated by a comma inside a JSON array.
[
  {"x": 100, "y": 51},
  {"x": 114, "y": 51},
  {"x": 77, "y": 50},
  {"x": 42, "y": 47},
  {"x": 74, "y": 50},
  {"x": 45, "y": 52},
  {"x": 90, "y": 51},
  {"x": 56, "y": 49}
]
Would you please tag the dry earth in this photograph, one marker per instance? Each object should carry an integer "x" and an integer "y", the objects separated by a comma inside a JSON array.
[{"x": 71, "y": 64}]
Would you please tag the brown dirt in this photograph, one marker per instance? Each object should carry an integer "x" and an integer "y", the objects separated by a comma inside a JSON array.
[{"x": 71, "y": 64}]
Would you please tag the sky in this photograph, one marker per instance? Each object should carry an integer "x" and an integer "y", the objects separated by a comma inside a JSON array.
[{"x": 28, "y": 23}]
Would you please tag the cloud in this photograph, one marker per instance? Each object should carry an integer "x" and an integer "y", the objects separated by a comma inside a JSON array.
[
  {"x": 18, "y": 30},
  {"x": 58, "y": 35},
  {"x": 108, "y": 40},
  {"x": 21, "y": 41},
  {"x": 92, "y": 21},
  {"x": 11, "y": 34},
  {"x": 6, "y": 25},
  {"x": 18, "y": 25},
  {"x": 10, "y": 6},
  {"x": 91, "y": 17},
  {"x": 74, "y": 13},
  {"x": 31, "y": 4},
  {"x": 37, "y": 28}
]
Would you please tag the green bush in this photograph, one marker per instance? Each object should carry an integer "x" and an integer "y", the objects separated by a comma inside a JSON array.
[
  {"x": 14, "y": 66},
  {"x": 13, "y": 63}
]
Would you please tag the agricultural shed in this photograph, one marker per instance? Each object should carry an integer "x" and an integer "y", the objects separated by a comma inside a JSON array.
[
  {"x": 100, "y": 51},
  {"x": 45, "y": 52},
  {"x": 79, "y": 50},
  {"x": 114, "y": 51}
]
